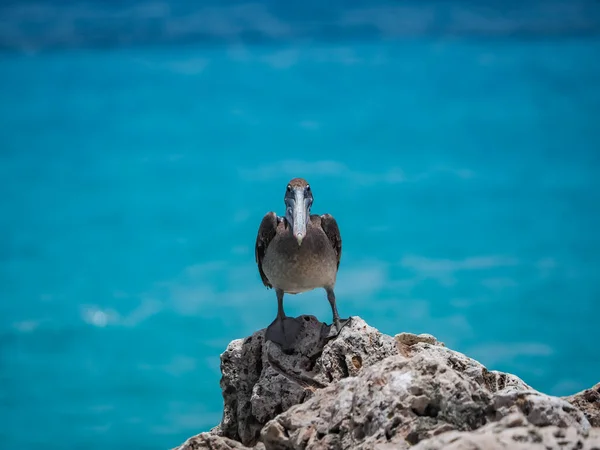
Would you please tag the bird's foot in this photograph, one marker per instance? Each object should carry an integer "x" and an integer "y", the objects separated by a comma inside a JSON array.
[
  {"x": 284, "y": 331},
  {"x": 336, "y": 327}
]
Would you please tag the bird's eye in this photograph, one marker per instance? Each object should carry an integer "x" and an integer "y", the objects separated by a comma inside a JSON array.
[
  {"x": 308, "y": 188},
  {"x": 289, "y": 187}
]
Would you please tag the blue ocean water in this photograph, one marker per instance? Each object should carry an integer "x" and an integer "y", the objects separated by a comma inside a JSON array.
[{"x": 464, "y": 175}]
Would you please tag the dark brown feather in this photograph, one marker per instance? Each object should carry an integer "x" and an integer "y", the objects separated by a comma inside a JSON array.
[
  {"x": 330, "y": 227},
  {"x": 266, "y": 233}
]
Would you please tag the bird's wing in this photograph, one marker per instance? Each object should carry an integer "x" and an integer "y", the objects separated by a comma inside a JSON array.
[
  {"x": 330, "y": 227},
  {"x": 266, "y": 233}
]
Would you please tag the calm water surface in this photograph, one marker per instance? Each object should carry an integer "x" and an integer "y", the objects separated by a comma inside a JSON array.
[{"x": 464, "y": 176}]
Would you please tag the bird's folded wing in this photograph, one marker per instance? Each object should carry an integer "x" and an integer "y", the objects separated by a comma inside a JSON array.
[
  {"x": 266, "y": 233},
  {"x": 332, "y": 231}
]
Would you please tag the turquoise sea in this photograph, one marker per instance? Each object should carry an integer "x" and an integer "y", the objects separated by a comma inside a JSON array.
[{"x": 464, "y": 173}]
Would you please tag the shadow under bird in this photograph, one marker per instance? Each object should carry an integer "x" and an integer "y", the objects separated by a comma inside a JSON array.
[{"x": 297, "y": 253}]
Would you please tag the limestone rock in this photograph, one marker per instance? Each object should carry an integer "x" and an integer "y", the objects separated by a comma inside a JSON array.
[
  {"x": 588, "y": 401},
  {"x": 366, "y": 390},
  {"x": 405, "y": 400},
  {"x": 514, "y": 432},
  {"x": 405, "y": 341},
  {"x": 211, "y": 441},
  {"x": 260, "y": 381}
]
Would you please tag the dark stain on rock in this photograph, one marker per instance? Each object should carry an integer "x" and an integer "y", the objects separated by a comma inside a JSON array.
[
  {"x": 343, "y": 366},
  {"x": 390, "y": 428}
]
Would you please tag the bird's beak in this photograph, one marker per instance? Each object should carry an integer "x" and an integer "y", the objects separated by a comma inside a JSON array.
[{"x": 299, "y": 215}]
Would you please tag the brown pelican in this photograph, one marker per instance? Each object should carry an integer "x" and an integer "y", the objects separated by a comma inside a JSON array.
[{"x": 298, "y": 253}]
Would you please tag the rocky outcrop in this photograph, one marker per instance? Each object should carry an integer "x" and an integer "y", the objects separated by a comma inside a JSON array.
[
  {"x": 260, "y": 381},
  {"x": 588, "y": 401},
  {"x": 366, "y": 390},
  {"x": 514, "y": 432}
]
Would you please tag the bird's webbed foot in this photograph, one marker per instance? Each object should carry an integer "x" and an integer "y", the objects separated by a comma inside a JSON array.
[
  {"x": 336, "y": 327},
  {"x": 284, "y": 331}
]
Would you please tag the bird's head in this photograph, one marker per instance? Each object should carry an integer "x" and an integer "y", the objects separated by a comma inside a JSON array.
[{"x": 298, "y": 200}]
